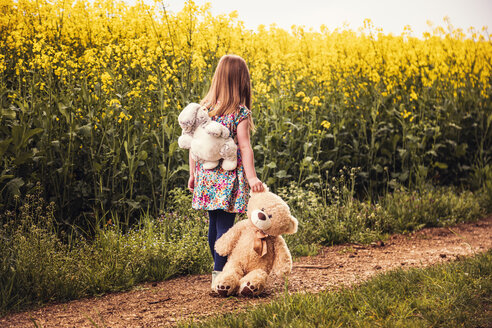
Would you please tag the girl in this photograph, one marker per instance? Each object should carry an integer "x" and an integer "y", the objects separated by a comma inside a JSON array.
[{"x": 224, "y": 193}]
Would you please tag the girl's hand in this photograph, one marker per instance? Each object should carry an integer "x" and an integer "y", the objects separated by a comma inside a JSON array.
[
  {"x": 191, "y": 183},
  {"x": 256, "y": 185}
]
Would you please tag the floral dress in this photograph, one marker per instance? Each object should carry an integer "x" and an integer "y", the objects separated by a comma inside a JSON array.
[{"x": 218, "y": 188}]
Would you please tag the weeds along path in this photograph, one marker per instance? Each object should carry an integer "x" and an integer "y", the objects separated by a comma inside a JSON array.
[{"x": 164, "y": 303}]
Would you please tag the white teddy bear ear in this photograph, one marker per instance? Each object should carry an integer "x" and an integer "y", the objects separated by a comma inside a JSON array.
[
  {"x": 187, "y": 117},
  {"x": 202, "y": 115}
]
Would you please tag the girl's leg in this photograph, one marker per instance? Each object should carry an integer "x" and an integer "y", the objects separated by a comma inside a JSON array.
[
  {"x": 224, "y": 221},
  {"x": 212, "y": 231}
]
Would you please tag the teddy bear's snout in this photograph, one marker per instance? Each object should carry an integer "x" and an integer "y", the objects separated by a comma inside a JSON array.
[
  {"x": 261, "y": 220},
  {"x": 261, "y": 216}
]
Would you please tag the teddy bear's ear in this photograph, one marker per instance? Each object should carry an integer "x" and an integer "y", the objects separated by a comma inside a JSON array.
[
  {"x": 202, "y": 115},
  {"x": 293, "y": 225},
  {"x": 265, "y": 189},
  {"x": 187, "y": 116}
]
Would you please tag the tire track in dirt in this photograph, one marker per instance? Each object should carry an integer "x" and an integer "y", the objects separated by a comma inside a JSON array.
[{"x": 164, "y": 303}]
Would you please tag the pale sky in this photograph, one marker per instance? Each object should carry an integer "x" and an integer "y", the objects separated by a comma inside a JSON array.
[{"x": 391, "y": 15}]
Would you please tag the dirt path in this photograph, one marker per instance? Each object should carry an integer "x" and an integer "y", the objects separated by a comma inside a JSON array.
[{"x": 164, "y": 303}]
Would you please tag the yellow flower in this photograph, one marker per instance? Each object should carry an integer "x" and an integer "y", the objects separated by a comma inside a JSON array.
[
  {"x": 115, "y": 103},
  {"x": 406, "y": 114},
  {"x": 326, "y": 124},
  {"x": 105, "y": 78}
]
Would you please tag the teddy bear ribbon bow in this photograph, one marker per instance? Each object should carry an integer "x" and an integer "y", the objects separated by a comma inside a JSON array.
[{"x": 260, "y": 244}]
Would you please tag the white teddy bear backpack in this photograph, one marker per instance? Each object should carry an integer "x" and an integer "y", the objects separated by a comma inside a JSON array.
[{"x": 208, "y": 141}]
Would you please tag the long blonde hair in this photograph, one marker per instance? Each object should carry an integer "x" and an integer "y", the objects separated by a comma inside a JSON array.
[{"x": 230, "y": 88}]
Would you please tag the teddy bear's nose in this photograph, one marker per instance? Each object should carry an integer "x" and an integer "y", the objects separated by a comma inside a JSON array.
[{"x": 261, "y": 216}]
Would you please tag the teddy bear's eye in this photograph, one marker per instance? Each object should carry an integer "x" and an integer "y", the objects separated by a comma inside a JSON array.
[
  {"x": 270, "y": 216},
  {"x": 263, "y": 209}
]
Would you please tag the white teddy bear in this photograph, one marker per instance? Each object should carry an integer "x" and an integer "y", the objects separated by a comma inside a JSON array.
[{"x": 208, "y": 141}]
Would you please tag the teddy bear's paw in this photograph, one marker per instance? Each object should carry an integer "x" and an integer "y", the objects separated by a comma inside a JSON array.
[
  {"x": 223, "y": 290},
  {"x": 226, "y": 284},
  {"x": 215, "y": 129},
  {"x": 210, "y": 165},
  {"x": 229, "y": 165},
  {"x": 184, "y": 141},
  {"x": 250, "y": 290}
]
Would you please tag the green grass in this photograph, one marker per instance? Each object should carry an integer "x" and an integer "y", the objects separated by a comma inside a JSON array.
[
  {"x": 333, "y": 215},
  {"x": 39, "y": 263},
  {"x": 36, "y": 266},
  {"x": 457, "y": 294}
]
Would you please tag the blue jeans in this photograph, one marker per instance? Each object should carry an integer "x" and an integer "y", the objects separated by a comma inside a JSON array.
[{"x": 219, "y": 222}]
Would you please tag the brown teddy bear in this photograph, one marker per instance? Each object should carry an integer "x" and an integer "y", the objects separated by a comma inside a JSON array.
[{"x": 254, "y": 246}]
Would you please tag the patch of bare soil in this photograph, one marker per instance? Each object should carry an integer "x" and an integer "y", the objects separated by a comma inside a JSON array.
[{"x": 164, "y": 303}]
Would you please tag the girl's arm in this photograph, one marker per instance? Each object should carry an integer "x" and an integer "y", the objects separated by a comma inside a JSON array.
[
  {"x": 191, "y": 180},
  {"x": 244, "y": 144}
]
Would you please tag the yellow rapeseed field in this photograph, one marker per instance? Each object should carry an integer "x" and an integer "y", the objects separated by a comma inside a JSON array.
[
  {"x": 96, "y": 87},
  {"x": 106, "y": 42}
]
